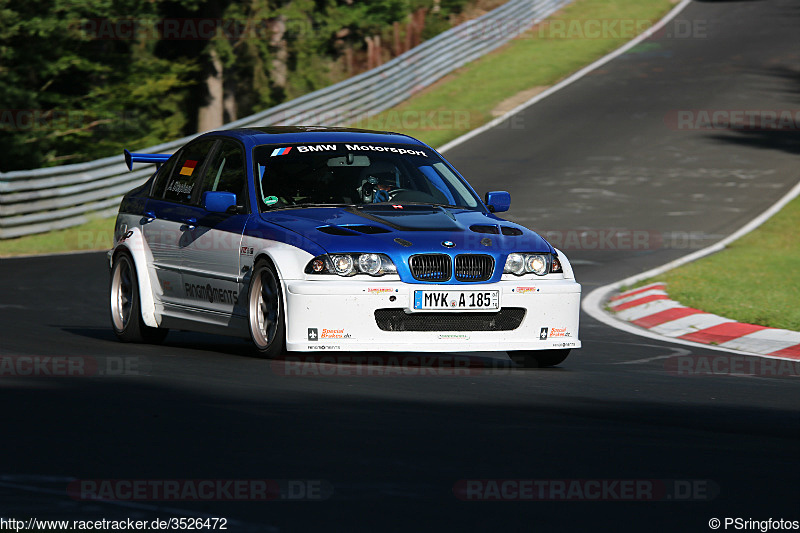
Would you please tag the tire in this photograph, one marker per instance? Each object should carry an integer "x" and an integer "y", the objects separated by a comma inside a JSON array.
[
  {"x": 539, "y": 358},
  {"x": 125, "y": 306},
  {"x": 265, "y": 311}
]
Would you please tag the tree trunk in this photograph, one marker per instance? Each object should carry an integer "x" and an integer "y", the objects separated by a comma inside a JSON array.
[
  {"x": 348, "y": 59},
  {"x": 398, "y": 43},
  {"x": 230, "y": 107},
  {"x": 370, "y": 52},
  {"x": 377, "y": 55},
  {"x": 210, "y": 115},
  {"x": 279, "y": 50}
]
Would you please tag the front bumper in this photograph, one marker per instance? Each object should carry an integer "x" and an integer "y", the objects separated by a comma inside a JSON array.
[{"x": 339, "y": 315}]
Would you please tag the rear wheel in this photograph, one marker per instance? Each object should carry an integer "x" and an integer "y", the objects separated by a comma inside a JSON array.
[
  {"x": 125, "y": 305},
  {"x": 265, "y": 311},
  {"x": 538, "y": 358}
]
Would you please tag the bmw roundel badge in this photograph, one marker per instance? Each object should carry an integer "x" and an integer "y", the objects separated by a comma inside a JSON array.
[{"x": 448, "y": 244}]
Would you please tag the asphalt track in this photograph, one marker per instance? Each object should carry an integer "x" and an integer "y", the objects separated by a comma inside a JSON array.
[{"x": 597, "y": 155}]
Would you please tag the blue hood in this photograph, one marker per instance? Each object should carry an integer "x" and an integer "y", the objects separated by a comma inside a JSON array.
[
  {"x": 377, "y": 229},
  {"x": 401, "y": 233}
]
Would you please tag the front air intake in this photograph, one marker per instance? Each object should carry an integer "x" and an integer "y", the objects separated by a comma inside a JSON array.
[{"x": 507, "y": 319}]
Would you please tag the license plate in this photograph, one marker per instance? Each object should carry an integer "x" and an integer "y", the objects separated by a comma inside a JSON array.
[{"x": 456, "y": 300}]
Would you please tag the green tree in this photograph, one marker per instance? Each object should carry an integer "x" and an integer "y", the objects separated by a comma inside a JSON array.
[
  {"x": 80, "y": 79},
  {"x": 70, "y": 92}
]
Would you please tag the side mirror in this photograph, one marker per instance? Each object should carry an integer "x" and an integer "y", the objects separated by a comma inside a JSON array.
[
  {"x": 498, "y": 201},
  {"x": 218, "y": 202}
]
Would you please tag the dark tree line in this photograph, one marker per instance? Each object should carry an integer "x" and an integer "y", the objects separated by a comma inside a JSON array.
[{"x": 80, "y": 79}]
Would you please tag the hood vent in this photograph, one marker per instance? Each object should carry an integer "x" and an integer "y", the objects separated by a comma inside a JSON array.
[
  {"x": 369, "y": 230},
  {"x": 478, "y": 228},
  {"x": 507, "y": 230},
  {"x": 337, "y": 230},
  {"x": 355, "y": 229}
]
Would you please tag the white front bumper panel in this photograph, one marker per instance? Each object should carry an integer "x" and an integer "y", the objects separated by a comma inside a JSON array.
[{"x": 340, "y": 315}]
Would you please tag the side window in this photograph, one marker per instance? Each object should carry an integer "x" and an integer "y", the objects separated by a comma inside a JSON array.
[
  {"x": 163, "y": 176},
  {"x": 226, "y": 172},
  {"x": 186, "y": 173}
]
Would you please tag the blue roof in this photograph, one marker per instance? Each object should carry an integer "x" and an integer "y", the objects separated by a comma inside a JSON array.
[{"x": 313, "y": 134}]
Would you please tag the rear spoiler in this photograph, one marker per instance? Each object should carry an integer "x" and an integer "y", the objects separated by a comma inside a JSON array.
[{"x": 158, "y": 159}]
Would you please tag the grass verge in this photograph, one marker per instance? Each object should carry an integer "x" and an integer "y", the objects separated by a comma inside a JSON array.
[
  {"x": 97, "y": 234},
  {"x": 756, "y": 279},
  {"x": 564, "y": 43},
  {"x": 460, "y": 102}
]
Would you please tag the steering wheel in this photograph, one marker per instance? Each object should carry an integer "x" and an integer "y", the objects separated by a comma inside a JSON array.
[{"x": 395, "y": 192}]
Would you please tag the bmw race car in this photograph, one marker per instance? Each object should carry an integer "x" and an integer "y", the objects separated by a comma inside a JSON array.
[{"x": 309, "y": 238}]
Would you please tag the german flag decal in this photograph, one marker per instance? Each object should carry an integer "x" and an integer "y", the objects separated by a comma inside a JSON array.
[{"x": 188, "y": 167}]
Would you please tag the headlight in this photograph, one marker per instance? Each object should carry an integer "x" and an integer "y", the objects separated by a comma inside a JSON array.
[
  {"x": 343, "y": 264},
  {"x": 351, "y": 264},
  {"x": 536, "y": 264},
  {"x": 528, "y": 263},
  {"x": 515, "y": 264},
  {"x": 369, "y": 263}
]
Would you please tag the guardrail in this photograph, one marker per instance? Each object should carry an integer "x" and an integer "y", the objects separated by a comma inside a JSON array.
[{"x": 46, "y": 199}]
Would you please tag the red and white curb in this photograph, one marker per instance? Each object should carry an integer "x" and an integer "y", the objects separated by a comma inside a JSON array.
[
  {"x": 651, "y": 308},
  {"x": 596, "y": 302}
]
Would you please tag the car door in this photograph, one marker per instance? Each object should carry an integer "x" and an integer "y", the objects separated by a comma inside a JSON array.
[
  {"x": 165, "y": 220},
  {"x": 211, "y": 251}
]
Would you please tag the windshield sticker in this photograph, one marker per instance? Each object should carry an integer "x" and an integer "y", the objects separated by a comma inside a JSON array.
[
  {"x": 369, "y": 147},
  {"x": 270, "y": 200},
  {"x": 188, "y": 167},
  {"x": 281, "y": 151},
  {"x": 317, "y": 148}
]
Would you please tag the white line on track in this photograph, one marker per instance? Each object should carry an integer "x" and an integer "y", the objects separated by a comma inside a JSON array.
[
  {"x": 571, "y": 79},
  {"x": 677, "y": 352}
]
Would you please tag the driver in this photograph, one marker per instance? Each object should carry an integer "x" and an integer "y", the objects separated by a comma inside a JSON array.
[{"x": 381, "y": 178}]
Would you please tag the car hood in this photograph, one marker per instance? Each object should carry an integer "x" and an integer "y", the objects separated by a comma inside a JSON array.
[{"x": 407, "y": 229}]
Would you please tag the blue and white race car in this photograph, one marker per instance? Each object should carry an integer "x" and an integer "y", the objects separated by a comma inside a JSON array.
[{"x": 308, "y": 238}]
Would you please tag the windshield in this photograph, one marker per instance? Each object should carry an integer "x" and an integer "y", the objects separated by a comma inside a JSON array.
[{"x": 356, "y": 174}]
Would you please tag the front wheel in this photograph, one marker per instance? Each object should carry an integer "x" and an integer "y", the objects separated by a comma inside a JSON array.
[
  {"x": 265, "y": 311},
  {"x": 125, "y": 305},
  {"x": 538, "y": 358}
]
